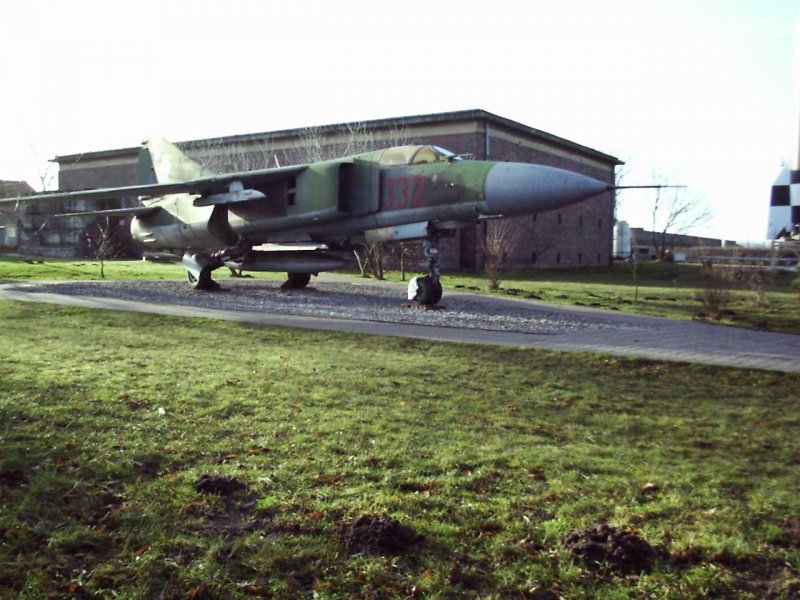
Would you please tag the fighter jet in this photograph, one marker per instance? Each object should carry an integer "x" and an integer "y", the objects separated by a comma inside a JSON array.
[{"x": 400, "y": 193}]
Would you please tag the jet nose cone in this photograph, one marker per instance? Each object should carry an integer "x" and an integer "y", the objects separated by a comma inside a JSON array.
[{"x": 518, "y": 188}]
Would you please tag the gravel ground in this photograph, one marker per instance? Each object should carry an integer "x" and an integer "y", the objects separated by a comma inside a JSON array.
[{"x": 339, "y": 300}]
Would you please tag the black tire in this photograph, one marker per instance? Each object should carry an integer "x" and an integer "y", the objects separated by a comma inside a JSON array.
[
  {"x": 296, "y": 281},
  {"x": 204, "y": 282},
  {"x": 429, "y": 292}
]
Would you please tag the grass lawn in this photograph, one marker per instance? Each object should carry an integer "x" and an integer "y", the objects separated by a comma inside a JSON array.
[
  {"x": 153, "y": 457},
  {"x": 23, "y": 268}
]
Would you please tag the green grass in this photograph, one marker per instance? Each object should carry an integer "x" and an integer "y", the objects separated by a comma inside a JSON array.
[
  {"x": 108, "y": 419},
  {"x": 17, "y": 268},
  {"x": 14, "y": 268}
]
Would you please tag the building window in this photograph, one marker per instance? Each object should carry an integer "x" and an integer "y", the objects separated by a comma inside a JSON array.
[
  {"x": 533, "y": 257},
  {"x": 291, "y": 191}
]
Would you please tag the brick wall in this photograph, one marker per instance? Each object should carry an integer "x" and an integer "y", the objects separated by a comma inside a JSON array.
[{"x": 76, "y": 177}]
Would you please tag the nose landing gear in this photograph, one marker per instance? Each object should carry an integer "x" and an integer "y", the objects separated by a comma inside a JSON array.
[{"x": 427, "y": 290}]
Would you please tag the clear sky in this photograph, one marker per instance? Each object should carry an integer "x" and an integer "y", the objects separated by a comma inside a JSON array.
[{"x": 700, "y": 90}]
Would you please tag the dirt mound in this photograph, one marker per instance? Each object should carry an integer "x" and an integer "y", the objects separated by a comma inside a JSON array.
[
  {"x": 12, "y": 477},
  {"x": 756, "y": 577},
  {"x": 469, "y": 573},
  {"x": 791, "y": 525},
  {"x": 613, "y": 548},
  {"x": 218, "y": 484},
  {"x": 370, "y": 534}
]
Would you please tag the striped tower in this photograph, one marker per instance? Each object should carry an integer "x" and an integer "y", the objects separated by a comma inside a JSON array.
[{"x": 784, "y": 205}]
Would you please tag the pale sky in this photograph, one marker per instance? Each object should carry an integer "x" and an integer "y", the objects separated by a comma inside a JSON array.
[{"x": 700, "y": 90}]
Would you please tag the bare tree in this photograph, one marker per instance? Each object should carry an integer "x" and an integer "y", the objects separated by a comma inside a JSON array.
[
  {"x": 497, "y": 240},
  {"x": 102, "y": 242},
  {"x": 25, "y": 222},
  {"x": 407, "y": 251},
  {"x": 675, "y": 211},
  {"x": 231, "y": 158},
  {"x": 370, "y": 259},
  {"x": 621, "y": 172},
  {"x": 348, "y": 139}
]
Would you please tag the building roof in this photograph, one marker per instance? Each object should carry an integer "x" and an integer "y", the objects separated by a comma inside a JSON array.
[
  {"x": 396, "y": 122},
  {"x": 10, "y": 189}
]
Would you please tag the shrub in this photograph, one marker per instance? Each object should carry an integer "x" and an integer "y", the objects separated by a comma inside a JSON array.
[{"x": 714, "y": 293}]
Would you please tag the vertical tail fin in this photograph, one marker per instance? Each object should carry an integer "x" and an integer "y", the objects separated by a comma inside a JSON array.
[{"x": 162, "y": 162}]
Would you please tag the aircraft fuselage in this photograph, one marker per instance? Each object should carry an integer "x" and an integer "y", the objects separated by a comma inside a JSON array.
[{"x": 341, "y": 200}]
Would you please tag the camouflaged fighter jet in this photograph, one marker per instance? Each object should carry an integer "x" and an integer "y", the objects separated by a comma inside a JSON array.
[{"x": 400, "y": 193}]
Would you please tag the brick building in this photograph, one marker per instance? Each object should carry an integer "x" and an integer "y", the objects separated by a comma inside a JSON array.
[
  {"x": 11, "y": 217},
  {"x": 579, "y": 235},
  {"x": 642, "y": 243}
]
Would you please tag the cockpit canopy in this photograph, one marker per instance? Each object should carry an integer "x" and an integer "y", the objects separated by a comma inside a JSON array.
[{"x": 415, "y": 155}]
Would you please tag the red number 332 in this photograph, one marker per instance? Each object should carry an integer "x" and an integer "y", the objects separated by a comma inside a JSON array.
[{"x": 402, "y": 192}]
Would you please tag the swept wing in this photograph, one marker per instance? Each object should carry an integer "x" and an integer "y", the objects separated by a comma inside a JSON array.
[{"x": 224, "y": 189}]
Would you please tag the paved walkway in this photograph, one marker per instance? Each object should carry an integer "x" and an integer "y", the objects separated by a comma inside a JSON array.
[{"x": 637, "y": 336}]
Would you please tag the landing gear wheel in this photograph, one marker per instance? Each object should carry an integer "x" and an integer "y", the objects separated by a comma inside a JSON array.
[
  {"x": 428, "y": 292},
  {"x": 203, "y": 282},
  {"x": 199, "y": 267},
  {"x": 296, "y": 281}
]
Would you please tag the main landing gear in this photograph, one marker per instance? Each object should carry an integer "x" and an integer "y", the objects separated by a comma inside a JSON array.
[
  {"x": 427, "y": 290},
  {"x": 198, "y": 270},
  {"x": 296, "y": 281},
  {"x": 200, "y": 265}
]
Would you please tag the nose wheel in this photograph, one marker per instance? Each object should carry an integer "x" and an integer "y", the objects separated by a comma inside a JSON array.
[{"x": 427, "y": 290}]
